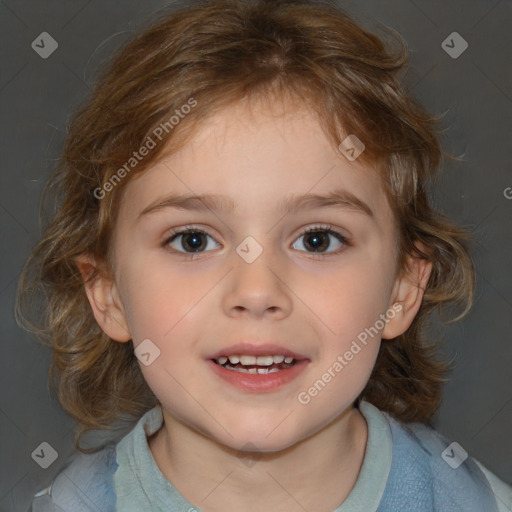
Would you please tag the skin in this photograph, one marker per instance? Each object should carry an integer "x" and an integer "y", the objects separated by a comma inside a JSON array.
[{"x": 308, "y": 456}]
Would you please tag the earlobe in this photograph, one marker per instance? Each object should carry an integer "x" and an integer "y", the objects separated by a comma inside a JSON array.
[
  {"x": 104, "y": 299},
  {"x": 408, "y": 295}
]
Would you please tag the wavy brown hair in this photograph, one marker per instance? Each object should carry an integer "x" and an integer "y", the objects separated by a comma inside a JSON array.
[{"x": 218, "y": 53}]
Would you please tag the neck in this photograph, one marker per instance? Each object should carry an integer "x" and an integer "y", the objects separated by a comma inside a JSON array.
[{"x": 317, "y": 473}]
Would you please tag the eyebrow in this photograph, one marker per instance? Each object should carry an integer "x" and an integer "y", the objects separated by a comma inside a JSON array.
[{"x": 292, "y": 204}]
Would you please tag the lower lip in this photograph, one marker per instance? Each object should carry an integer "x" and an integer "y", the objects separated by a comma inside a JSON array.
[{"x": 259, "y": 382}]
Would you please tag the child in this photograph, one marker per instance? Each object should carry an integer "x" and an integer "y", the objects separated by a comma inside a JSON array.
[{"x": 243, "y": 261}]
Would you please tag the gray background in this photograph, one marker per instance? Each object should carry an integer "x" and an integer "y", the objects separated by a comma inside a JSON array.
[{"x": 38, "y": 95}]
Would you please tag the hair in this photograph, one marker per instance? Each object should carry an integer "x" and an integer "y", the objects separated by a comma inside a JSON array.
[{"x": 214, "y": 54}]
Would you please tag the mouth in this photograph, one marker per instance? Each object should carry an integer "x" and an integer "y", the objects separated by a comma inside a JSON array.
[
  {"x": 257, "y": 368},
  {"x": 260, "y": 365}
]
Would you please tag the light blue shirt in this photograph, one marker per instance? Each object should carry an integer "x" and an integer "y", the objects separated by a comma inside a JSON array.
[{"x": 403, "y": 467}]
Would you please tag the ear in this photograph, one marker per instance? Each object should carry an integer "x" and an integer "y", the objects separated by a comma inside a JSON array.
[
  {"x": 104, "y": 299},
  {"x": 408, "y": 294}
]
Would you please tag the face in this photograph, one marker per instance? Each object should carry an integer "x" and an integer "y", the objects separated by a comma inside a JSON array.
[{"x": 289, "y": 252}]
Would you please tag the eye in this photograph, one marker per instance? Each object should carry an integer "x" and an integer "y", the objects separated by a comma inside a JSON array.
[
  {"x": 191, "y": 240},
  {"x": 319, "y": 240}
]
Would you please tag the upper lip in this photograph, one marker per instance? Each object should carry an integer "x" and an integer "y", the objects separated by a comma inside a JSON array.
[{"x": 261, "y": 349}]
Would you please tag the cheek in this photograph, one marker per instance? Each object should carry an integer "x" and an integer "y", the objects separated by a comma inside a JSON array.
[
  {"x": 351, "y": 328},
  {"x": 169, "y": 307},
  {"x": 352, "y": 298},
  {"x": 349, "y": 304},
  {"x": 158, "y": 298}
]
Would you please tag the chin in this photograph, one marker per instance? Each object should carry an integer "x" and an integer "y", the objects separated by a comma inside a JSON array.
[
  {"x": 270, "y": 438},
  {"x": 260, "y": 445}
]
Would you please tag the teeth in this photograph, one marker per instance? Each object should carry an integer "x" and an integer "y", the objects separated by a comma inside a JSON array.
[
  {"x": 264, "y": 360},
  {"x": 253, "y": 370},
  {"x": 247, "y": 360}
]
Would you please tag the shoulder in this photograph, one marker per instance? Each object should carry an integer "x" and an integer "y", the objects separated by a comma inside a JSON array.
[
  {"x": 84, "y": 485},
  {"x": 439, "y": 473}
]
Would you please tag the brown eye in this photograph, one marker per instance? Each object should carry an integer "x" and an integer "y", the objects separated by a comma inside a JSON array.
[
  {"x": 320, "y": 240},
  {"x": 190, "y": 241}
]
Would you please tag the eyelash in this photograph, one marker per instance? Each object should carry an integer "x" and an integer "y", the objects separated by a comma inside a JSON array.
[{"x": 327, "y": 229}]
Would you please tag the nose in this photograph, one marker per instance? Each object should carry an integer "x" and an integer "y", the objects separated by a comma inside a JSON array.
[{"x": 257, "y": 290}]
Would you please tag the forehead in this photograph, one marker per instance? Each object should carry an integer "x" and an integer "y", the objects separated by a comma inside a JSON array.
[{"x": 259, "y": 154}]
